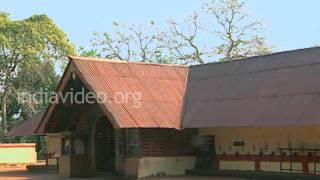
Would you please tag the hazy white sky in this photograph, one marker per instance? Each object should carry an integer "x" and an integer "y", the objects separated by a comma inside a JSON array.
[{"x": 289, "y": 24}]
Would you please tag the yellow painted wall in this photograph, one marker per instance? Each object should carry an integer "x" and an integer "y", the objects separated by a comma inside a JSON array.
[
  {"x": 237, "y": 165},
  {"x": 263, "y": 139},
  {"x": 54, "y": 145},
  {"x": 311, "y": 167},
  {"x": 275, "y": 166},
  {"x": 18, "y": 153},
  {"x": 269, "y": 166},
  {"x": 152, "y": 166}
]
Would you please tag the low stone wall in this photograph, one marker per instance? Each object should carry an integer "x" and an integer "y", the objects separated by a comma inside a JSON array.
[
  {"x": 155, "y": 166},
  {"x": 18, "y": 153}
]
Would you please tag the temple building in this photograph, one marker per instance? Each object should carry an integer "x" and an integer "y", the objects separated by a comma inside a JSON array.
[{"x": 256, "y": 114}]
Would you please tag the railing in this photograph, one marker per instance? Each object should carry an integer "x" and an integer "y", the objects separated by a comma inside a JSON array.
[{"x": 293, "y": 157}]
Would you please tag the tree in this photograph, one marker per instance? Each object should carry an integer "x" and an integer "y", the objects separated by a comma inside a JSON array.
[
  {"x": 135, "y": 42},
  {"x": 239, "y": 36},
  {"x": 35, "y": 80},
  {"x": 146, "y": 43},
  {"x": 182, "y": 46},
  {"x": 27, "y": 45},
  {"x": 231, "y": 32}
]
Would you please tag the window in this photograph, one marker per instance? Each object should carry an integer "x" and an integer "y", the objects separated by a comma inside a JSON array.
[
  {"x": 167, "y": 142},
  {"x": 78, "y": 146},
  {"x": 133, "y": 141},
  {"x": 66, "y": 146},
  {"x": 238, "y": 143}
]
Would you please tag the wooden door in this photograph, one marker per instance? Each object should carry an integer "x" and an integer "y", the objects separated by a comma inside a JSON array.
[
  {"x": 206, "y": 153},
  {"x": 105, "y": 146}
]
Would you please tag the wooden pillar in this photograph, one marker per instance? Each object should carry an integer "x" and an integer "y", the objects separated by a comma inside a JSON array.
[{"x": 216, "y": 164}]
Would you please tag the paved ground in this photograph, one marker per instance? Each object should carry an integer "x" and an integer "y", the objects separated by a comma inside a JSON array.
[
  {"x": 23, "y": 174},
  {"x": 191, "y": 178}
]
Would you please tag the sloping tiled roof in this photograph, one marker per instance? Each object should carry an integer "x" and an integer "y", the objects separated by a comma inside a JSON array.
[
  {"x": 161, "y": 87},
  {"x": 277, "y": 89},
  {"x": 28, "y": 127}
]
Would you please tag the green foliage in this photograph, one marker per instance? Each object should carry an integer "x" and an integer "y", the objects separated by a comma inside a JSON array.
[
  {"x": 89, "y": 53},
  {"x": 30, "y": 49},
  {"x": 29, "y": 52},
  {"x": 35, "y": 37}
]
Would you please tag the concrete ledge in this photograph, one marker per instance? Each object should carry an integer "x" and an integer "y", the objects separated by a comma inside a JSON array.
[
  {"x": 254, "y": 174},
  {"x": 17, "y": 145},
  {"x": 165, "y": 166},
  {"x": 42, "y": 168},
  {"x": 13, "y": 165}
]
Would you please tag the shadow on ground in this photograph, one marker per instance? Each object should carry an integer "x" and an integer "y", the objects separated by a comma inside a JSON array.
[{"x": 24, "y": 174}]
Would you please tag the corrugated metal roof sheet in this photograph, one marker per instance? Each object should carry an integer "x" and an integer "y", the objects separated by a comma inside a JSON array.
[
  {"x": 28, "y": 127},
  {"x": 161, "y": 88},
  {"x": 277, "y": 89}
]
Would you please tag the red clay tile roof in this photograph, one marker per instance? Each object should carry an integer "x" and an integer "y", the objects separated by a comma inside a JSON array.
[{"x": 28, "y": 127}]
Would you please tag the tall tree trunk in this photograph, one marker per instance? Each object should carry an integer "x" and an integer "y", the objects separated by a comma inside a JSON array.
[{"x": 4, "y": 113}]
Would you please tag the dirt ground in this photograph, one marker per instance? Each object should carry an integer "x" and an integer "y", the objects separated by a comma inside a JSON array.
[{"x": 22, "y": 174}]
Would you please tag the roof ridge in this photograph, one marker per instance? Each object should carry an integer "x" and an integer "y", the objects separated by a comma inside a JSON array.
[
  {"x": 258, "y": 56},
  {"x": 259, "y": 71},
  {"x": 121, "y": 61}
]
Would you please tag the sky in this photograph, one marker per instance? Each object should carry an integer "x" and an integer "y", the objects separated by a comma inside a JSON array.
[{"x": 289, "y": 24}]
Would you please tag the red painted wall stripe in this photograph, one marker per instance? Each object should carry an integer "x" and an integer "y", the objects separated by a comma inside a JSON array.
[
  {"x": 270, "y": 158},
  {"x": 257, "y": 165}
]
